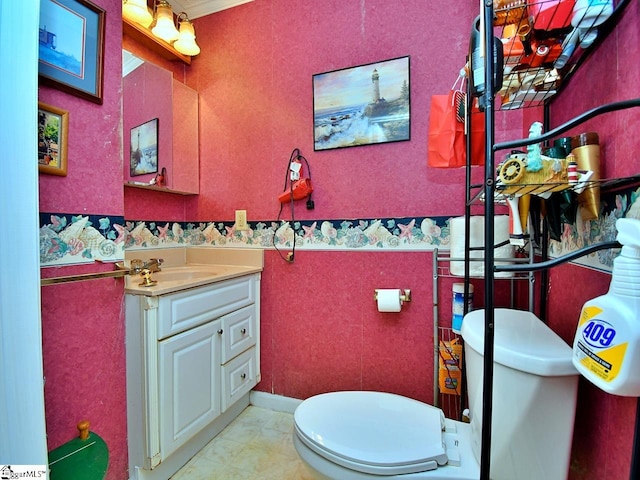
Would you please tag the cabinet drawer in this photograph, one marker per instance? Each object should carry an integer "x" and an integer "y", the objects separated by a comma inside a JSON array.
[
  {"x": 238, "y": 377},
  {"x": 239, "y": 332},
  {"x": 180, "y": 311}
]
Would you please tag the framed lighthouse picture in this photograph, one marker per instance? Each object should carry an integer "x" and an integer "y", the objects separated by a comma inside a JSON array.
[
  {"x": 362, "y": 105},
  {"x": 71, "y": 47}
]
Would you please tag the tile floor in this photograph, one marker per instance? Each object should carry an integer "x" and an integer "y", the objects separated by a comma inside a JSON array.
[{"x": 255, "y": 446}]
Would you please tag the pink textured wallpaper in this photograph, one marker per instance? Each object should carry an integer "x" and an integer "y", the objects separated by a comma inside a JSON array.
[
  {"x": 320, "y": 328},
  {"x": 254, "y": 76},
  {"x": 94, "y": 171},
  {"x": 83, "y": 323},
  {"x": 321, "y": 331},
  {"x": 604, "y": 429}
]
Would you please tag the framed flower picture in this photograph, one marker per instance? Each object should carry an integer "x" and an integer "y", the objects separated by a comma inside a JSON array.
[{"x": 53, "y": 127}]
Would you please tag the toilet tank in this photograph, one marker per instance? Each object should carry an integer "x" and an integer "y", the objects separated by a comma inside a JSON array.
[{"x": 534, "y": 395}]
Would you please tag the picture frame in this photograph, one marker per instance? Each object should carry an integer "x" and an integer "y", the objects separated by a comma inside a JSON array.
[
  {"x": 71, "y": 47},
  {"x": 362, "y": 105},
  {"x": 144, "y": 148},
  {"x": 53, "y": 128}
]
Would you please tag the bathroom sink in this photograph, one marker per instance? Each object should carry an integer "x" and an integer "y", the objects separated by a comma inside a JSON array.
[
  {"x": 180, "y": 277},
  {"x": 177, "y": 274},
  {"x": 184, "y": 268}
]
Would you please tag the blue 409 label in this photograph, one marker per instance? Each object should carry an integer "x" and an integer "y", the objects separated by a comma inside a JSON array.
[
  {"x": 598, "y": 333},
  {"x": 597, "y": 349}
]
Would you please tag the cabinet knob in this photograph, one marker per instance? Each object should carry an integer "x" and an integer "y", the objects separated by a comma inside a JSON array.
[
  {"x": 220, "y": 332},
  {"x": 243, "y": 331},
  {"x": 243, "y": 376}
]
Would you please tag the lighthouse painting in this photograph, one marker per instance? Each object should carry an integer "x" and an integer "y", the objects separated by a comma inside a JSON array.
[{"x": 362, "y": 105}]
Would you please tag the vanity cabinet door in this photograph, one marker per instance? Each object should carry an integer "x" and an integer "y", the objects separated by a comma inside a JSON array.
[{"x": 189, "y": 371}]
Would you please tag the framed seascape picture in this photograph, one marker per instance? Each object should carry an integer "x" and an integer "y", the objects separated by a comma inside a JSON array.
[
  {"x": 71, "y": 46},
  {"x": 53, "y": 125},
  {"x": 144, "y": 148},
  {"x": 362, "y": 105}
]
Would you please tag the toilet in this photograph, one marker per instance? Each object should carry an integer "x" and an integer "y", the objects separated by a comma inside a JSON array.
[{"x": 363, "y": 435}]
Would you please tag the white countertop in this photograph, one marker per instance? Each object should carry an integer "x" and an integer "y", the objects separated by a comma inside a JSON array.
[{"x": 190, "y": 267}]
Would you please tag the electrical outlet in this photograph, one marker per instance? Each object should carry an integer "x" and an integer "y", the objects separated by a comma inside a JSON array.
[{"x": 241, "y": 220}]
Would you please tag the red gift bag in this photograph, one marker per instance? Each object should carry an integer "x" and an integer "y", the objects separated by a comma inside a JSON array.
[{"x": 446, "y": 141}]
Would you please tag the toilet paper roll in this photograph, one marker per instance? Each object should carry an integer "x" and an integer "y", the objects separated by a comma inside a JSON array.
[
  {"x": 388, "y": 300},
  {"x": 476, "y": 240}
]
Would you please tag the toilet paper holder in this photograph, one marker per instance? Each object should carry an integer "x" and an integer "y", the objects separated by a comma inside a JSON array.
[{"x": 405, "y": 295}]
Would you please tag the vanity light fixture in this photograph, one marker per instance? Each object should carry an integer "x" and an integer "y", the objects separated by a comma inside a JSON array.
[
  {"x": 164, "y": 27},
  {"x": 186, "y": 43},
  {"x": 137, "y": 11}
]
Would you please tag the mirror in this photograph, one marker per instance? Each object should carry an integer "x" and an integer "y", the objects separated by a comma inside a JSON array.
[{"x": 160, "y": 122}]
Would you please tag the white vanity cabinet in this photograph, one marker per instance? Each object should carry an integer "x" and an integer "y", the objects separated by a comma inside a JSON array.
[{"x": 192, "y": 359}]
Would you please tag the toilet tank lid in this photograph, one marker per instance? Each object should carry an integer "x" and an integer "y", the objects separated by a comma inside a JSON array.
[{"x": 521, "y": 341}]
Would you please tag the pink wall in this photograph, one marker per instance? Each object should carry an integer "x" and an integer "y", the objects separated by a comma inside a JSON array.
[
  {"x": 320, "y": 329},
  {"x": 83, "y": 323},
  {"x": 604, "y": 423},
  {"x": 254, "y": 76}
]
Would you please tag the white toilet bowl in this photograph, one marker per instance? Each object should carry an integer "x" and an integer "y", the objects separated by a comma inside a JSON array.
[
  {"x": 365, "y": 435},
  {"x": 373, "y": 435}
]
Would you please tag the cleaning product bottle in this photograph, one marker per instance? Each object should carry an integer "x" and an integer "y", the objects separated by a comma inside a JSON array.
[{"x": 606, "y": 348}]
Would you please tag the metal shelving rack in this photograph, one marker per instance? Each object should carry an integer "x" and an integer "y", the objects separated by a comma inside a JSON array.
[{"x": 488, "y": 190}]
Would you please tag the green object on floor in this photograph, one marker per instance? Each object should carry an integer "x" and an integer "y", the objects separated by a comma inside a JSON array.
[{"x": 79, "y": 459}]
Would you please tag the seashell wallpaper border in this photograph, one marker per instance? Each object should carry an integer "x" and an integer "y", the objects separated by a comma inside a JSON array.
[{"x": 68, "y": 239}]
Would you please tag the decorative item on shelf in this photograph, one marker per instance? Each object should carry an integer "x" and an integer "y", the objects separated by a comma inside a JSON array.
[
  {"x": 568, "y": 47},
  {"x": 514, "y": 178},
  {"x": 591, "y": 13},
  {"x": 160, "y": 180},
  {"x": 162, "y": 25},
  {"x": 524, "y": 34},
  {"x": 586, "y": 148},
  {"x": 509, "y": 11},
  {"x": 551, "y": 14}
]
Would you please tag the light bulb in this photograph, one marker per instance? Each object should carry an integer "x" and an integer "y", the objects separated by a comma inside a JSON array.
[
  {"x": 186, "y": 43},
  {"x": 165, "y": 28},
  {"x": 137, "y": 11}
]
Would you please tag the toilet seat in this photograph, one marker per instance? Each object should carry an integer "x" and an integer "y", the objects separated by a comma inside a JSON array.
[{"x": 343, "y": 428}]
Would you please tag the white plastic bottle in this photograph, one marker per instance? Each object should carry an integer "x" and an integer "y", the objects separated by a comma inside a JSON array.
[{"x": 606, "y": 348}]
